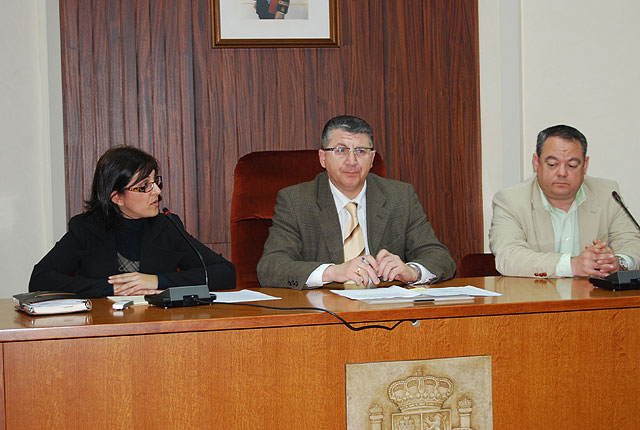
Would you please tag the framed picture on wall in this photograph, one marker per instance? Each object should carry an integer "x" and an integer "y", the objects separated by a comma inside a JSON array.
[{"x": 274, "y": 23}]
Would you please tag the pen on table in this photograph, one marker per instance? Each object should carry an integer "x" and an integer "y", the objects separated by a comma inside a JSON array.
[{"x": 364, "y": 260}]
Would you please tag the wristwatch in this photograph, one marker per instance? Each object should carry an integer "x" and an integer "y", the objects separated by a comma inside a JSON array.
[
  {"x": 417, "y": 268},
  {"x": 622, "y": 263}
]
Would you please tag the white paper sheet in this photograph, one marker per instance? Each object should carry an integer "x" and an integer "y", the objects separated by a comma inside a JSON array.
[
  {"x": 377, "y": 293},
  {"x": 468, "y": 290},
  {"x": 399, "y": 294},
  {"x": 241, "y": 296}
]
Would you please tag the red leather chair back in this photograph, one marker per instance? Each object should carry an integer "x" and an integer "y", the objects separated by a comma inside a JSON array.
[
  {"x": 258, "y": 177},
  {"x": 475, "y": 265}
]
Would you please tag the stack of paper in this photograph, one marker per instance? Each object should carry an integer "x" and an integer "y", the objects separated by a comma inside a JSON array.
[{"x": 396, "y": 294}]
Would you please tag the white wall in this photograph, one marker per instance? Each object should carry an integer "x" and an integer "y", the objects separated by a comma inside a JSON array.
[
  {"x": 578, "y": 64},
  {"x": 31, "y": 163},
  {"x": 500, "y": 99}
]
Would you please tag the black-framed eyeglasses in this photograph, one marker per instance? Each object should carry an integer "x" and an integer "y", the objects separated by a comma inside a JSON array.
[
  {"x": 343, "y": 151},
  {"x": 147, "y": 187}
]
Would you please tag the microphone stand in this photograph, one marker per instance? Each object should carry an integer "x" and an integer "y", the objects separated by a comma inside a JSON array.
[
  {"x": 190, "y": 295},
  {"x": 623, "y": 279}
]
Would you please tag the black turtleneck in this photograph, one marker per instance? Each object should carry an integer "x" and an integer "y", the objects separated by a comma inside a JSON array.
[{"x": 129, "y": 238}]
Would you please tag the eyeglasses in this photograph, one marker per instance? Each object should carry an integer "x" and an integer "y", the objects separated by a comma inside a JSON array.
[
  {"x": 146, "y": 188},
  {"x": 343, "y": 151}
]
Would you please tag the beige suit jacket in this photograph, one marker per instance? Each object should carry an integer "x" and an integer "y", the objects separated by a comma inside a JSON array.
[
  {"x": 306, "y": 231},
  {"x": 521, "y": 234}
]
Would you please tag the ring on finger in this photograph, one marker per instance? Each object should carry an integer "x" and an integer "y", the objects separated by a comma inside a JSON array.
[{"x": 358, "y": 270}]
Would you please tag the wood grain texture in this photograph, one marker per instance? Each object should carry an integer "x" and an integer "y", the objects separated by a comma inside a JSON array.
[
  {"x": 549, "y": 370},
  {"x": 518, "y": 296},
  {"x": 143, "y": 73},
  {"x": 3, "y": 424}
]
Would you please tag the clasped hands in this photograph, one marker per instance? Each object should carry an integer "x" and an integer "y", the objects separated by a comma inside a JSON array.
[
  {"x": 362, "y": 270},
  {"x": 134, "y": 283},
  {"x": 595, "y": 260}
]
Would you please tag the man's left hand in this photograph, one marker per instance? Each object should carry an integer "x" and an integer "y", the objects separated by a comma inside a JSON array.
[
  {"x": 392, "y": 268},
  {"x": 606, "y": 262}
]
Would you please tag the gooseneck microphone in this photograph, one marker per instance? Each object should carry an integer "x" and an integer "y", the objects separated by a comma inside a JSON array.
[
  {"x": 168, "y": 214},
  {"x": 623, "y": 279},
  {"x": 618, "y": 199},
  {"x": 190, "y": 295}
]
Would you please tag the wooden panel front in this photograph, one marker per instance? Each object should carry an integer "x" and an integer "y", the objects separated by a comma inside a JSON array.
[
  {"x": 2, "y": 405},
  {"x": 143, "y": 73},
  {"x": 550, "y": 370}
]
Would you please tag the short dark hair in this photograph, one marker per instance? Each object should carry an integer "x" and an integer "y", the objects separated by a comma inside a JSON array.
[
  {"x": 348, "y": 123},
  {"x": 565, "y": 132},
  {"x": 115, "y": 169}
]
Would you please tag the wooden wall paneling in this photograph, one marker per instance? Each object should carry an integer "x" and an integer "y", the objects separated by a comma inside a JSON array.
[
  {"x": 114, "y": 78},
  {"x": 439, "y": 197},
  {"x": 142, "y": 72},
  {"x": 228, "y": 150},
  {"x": 266, "y": 123},
  {"x": 87, "y": 104},
  {"x": 251, "y": 83},
  {"x": 158, "y": 107},
  {"x": 289, "y": 94},
  {"x": 309, "y": 71},
  {"x": 87, "y": 107},
  {"x": 464, "y": 156},
  {"x": 177, "y": 176},
  {"x": 101, "y": 94},
  {"x": 129, "y": 66},
  {"x": 330, "y": 87},
  {"x": 203, "y": 127},
  {"x": 409, "y": 93},
  {"x": 71, "y": 88},
  {"x": 363, "y": 57},
  {"x": 144, "y": 78},
  {"x": 467, "y": 177},
  {"x": 183, "y": 91}
]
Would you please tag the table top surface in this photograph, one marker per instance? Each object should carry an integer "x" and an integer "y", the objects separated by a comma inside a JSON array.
[{"x": 519, "y": 296}]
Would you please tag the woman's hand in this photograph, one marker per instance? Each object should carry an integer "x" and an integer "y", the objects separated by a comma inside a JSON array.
[{"x": 134, "y": 284}]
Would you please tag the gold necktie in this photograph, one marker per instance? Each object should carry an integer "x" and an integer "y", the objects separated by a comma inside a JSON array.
[{"x": 354, "y": 243}]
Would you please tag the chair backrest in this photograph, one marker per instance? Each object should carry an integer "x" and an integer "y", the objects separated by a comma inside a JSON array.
[
  {"x": 258, "y": 177},
  {"x": 473, "y": 265}
]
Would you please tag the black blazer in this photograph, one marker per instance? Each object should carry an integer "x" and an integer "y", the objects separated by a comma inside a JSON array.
[{"x": 86, "y": 256}]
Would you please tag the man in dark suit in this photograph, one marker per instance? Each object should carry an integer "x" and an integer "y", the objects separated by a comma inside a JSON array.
[{"x": 349, "y": 225}]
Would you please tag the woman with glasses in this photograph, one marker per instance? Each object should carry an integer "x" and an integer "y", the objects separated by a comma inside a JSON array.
[{"x": 122, "y": 244}]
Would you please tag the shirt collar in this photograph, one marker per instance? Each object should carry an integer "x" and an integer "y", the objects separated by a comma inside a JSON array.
[
  {"x": 580, "y": 198},
  {"x": 342, "y": 200}
]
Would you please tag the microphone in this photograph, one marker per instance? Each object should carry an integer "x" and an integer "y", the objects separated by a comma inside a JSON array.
[
  {"x": 625, "y": 279},
  {"x": 168, "y": 214},
  {"x": 618, "y": 199},
  {"x": 191, "y": 295}
]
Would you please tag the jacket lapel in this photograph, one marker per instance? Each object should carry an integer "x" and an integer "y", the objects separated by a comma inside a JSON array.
[
  {"x": 329, "y": 222},
  {"x": 542, "y": 221},
  {"x": 589, "y": 219},
  {"x": 377, "y": 213}
]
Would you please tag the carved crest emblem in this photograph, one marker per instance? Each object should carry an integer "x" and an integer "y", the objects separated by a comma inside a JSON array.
[{"x": 425, "y": 400}]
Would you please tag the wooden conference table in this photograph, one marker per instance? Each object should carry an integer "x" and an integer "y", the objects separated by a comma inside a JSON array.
[{"x": 563, "y": 355}]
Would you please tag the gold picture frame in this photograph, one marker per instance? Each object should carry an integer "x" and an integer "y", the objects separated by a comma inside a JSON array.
[{"x": 308, "y": 23}]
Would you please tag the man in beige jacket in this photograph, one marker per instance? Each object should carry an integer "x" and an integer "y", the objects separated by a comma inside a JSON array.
[{"x": 559, "y": 222}]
